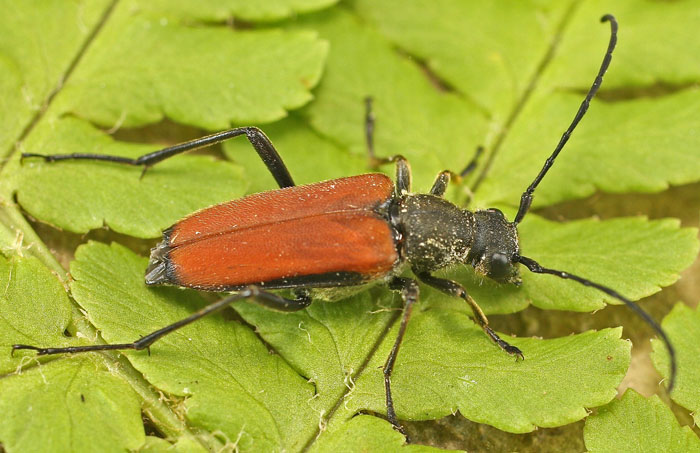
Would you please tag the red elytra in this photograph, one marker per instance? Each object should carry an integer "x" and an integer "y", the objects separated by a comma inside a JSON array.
[{"x": 323, "y": 228}]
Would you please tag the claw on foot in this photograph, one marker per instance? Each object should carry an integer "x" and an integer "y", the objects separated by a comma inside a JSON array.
[
  {"x": 512, "y": 350},
  {"x": 401, "y": 429}
]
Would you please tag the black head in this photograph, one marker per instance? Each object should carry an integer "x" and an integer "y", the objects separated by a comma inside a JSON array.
[{"x": 495, "y": 249}]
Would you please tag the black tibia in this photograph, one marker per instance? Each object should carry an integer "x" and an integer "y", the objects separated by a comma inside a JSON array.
[
  {"x": 369, "y": 134},
  {"x": 471, "y": 166},
  {"x": 403, "y": 175},
  {"x": 264, "y": 298},
  {"x": 457, "y": 290},
  {"x": 403, "y": 169},
  {"x": 440, "y": 184},
  {"x": 444, "y": 178},
  {"x": 256, "y": 137},
  {"x": 409, "y": 293},
  {"x": 374, "y": 161}
]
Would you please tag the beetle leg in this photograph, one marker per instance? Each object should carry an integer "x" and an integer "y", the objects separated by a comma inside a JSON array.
[
  {"x": 409, "y": 293},
  {"x": 443, "y": 179},
  {"x": 471, "y": 166},
  {"x": 256, "y": 137},
  {"x": 369, "y": 132},
  {"x": 457, "y": 290},
  {"x": 374, "y": 161},
  {"x": 403, "y": 175},
  {"x": 265, "y": 298},
  {"x": 441, "y": 182},
  {"x": 403, "y": 169}
]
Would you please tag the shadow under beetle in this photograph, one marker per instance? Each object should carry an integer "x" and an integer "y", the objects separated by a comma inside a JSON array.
[{"x": 340, "y": 233}]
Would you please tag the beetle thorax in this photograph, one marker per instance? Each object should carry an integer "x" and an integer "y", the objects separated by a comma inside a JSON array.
[{"x": 435, "y": 232}]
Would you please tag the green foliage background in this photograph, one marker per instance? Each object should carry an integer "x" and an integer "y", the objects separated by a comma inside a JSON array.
[{"x": 126, "y": 77}]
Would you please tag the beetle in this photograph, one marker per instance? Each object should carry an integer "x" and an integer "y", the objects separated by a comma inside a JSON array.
[{"x": 343, "y": 233}]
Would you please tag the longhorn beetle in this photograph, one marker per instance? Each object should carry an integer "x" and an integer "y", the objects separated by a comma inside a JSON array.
[{"x": 340, "y": 233}]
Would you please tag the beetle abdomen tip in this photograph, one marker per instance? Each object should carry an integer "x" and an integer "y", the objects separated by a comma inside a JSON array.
[{"x": 157, "y": 270}]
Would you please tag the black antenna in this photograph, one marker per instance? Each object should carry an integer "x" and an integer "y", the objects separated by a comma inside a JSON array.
[
  {"x": 526, "y": 198},
  {"x": 537, "y": 269}
]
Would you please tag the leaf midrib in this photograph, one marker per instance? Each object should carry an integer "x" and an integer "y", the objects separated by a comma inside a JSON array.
[
  {"x": 39, "y": 115},
  {"x": 525, "y": 96}
]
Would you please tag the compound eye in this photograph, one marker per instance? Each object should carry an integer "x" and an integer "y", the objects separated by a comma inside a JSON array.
[
  {"x": 500, "y": 265},
  {"x": 499, "y": 258},
  {"x": 499, "y": 213}
]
